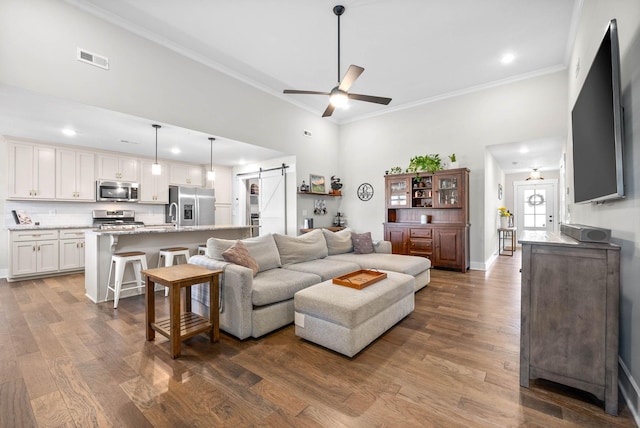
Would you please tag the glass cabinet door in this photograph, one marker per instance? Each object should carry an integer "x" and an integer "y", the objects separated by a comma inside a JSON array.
[
  {"x": 398, "y": 192},
  {"x": 448, "y": 191}
]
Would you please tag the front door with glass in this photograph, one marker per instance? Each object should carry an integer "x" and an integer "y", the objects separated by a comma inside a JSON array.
[{"x": 536, "y": 206}]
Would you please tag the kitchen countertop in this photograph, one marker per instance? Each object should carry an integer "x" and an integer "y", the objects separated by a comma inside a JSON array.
[
  {"x": 166, "y": 229},
  {"x": 151, "y": 228},
  {"x": 48, "y": 227}
]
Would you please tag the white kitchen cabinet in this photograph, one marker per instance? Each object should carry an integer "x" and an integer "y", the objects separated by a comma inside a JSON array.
[
  {"x": 154, "y": 189},
  {"x": 31, "y": 171},
  {"x": 224, "y": 214},
  {"x": 223, "y": 184},
  {"x": 117, "y": 168},
  {"x": 71, "y": 249},
  {"x": 185, "y": 175},
  {"x": 75, "y": 175},
  {"x": 33, "y": 252}
]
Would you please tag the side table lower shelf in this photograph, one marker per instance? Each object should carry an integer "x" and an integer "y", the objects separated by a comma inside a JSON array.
[{"x": 190, "y": 325}]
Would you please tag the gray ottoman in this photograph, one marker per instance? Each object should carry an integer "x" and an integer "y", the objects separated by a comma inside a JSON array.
[{"x": 345, "y": 319}]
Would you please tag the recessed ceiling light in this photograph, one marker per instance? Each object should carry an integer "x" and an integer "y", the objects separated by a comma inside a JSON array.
[
  {"x": 175, "y": 151},
  {"x": 69, "y": 132},
  {"x": 524, "y": 150},
  {"x": 507, "y": 58}
]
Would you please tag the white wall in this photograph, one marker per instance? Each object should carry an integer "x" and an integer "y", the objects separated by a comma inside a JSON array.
[
  {"x": 464, "y": 125},
  {"x": 494, "y": 176},
  {"x": 623, "y": 216}
]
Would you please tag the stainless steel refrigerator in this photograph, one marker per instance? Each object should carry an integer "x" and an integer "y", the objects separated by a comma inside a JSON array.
[{"x": 191, "y": 206}]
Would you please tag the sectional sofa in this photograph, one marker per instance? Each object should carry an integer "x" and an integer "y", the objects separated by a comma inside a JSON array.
[{"x": 256, "y": 302}]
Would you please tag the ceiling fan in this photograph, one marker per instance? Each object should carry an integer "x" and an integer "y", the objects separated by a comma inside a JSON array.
[{"x": 339, "y": 96}]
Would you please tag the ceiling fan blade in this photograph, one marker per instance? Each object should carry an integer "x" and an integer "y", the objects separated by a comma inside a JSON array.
[
  {"x": 369, "y": 98},
  {"x": 293, "y": 91},
  {"x": 329, "y": 111},
  {"x": 353, "y": 73}
]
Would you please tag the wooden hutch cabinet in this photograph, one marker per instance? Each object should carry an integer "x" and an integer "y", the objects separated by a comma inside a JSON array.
[{"x": 427, "y": 214}]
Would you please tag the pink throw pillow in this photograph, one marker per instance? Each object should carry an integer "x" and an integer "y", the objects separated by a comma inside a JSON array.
[{"x": 239, "y": 255}]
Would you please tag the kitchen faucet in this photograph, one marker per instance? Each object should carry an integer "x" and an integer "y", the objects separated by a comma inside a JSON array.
[{"x": 173, "y": 218}]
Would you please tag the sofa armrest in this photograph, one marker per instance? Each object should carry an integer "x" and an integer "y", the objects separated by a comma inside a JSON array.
[
  {"x": 382, "y": 247},
  {"x": 236, "y": 287}
]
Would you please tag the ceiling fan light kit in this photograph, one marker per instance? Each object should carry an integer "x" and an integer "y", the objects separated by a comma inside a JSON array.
[{"x": 339, "y": 95}]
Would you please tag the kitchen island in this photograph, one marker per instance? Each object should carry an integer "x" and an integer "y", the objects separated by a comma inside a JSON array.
[{"x": 101, "y": 244}]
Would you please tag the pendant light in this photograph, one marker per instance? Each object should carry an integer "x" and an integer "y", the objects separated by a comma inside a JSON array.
[
  {"x": 211, "y": 174},
  {"x": 156, "y": 169}
]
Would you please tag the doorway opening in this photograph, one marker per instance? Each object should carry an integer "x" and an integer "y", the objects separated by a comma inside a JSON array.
[{"x": 536, "y": 205}]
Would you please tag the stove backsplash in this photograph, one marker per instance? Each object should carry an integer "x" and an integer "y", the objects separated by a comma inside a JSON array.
[{"x": 76, "y": 213}]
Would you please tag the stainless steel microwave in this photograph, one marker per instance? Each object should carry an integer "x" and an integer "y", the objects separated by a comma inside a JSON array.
[{"x": 116, "y": 191}]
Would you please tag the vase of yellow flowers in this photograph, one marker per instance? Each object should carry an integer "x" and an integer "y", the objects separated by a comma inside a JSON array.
[{"x": 504, "y": 214}]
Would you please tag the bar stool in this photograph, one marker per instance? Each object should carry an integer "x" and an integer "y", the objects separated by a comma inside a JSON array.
[
  {"x": 138, "y": 261},
  {"x": 168, "y": 255},
  {"x": 202, "y": 249}
]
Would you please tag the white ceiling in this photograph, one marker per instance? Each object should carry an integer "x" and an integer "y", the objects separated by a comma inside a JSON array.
[{"x": 413, "y": 51}]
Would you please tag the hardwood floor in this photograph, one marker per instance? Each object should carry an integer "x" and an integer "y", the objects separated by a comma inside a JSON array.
[{"x": 65, "y": 361}]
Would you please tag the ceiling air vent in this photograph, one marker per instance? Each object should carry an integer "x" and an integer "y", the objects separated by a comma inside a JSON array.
[{"x": 93, "y": 59}]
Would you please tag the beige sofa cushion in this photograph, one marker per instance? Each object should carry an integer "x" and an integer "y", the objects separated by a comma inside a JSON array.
[
  {"x": 338, "y": 242},
  {"x": 303, "y": 248},
  {"x": 262, "y": 248}
]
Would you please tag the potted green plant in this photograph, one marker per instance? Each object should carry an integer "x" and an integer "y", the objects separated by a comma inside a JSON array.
[
  {"x": 430, "y": 163},
  {"x": 454, "y": 162}
]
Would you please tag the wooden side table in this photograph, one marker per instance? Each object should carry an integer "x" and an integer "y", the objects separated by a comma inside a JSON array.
[{"x": 179, "y": 327}]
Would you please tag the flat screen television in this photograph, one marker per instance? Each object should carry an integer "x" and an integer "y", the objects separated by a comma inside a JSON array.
[{"x": 597, "y": 125}]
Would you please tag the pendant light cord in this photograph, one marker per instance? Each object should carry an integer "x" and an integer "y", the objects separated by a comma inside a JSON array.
[
  {"x": 156, "y": 126},
  {"x": 211, "y": 139}
]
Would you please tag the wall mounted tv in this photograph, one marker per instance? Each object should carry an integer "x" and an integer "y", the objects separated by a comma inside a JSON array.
[{"x": 597, "y": 125}]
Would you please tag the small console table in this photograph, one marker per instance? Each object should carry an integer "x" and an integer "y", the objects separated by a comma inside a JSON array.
[
  {"x": 178, "y": 327},
  {"x": 506, "y": 235}
]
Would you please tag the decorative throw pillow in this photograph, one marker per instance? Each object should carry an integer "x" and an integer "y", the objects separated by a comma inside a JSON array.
[
  {"x": 239, "y": 255},
  {"x": 303, "y": 248},
  {"x": 362, "y": 243},
  {"x": 338, "y": 242}
]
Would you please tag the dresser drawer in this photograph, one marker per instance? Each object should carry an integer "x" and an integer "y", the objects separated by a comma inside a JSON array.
[
  {"x": 420, "y": 246},
  {"x": 422, "y": 232}
]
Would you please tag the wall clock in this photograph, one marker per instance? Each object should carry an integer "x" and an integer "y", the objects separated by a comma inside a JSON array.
[{"x": 365, "y": 191}]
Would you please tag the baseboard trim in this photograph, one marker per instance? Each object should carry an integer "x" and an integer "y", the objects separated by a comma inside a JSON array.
[
  {"x": 4, "y": 273},
  {"x": 630, "y": 391},
  {"x": 484, "y": 266}
]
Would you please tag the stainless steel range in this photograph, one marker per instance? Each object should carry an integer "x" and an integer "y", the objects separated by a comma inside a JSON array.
[{"x": 115, "y": 220}]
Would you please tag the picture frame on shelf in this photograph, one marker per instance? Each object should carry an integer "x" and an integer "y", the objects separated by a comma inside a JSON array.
[{"x": 317, "y": 183}]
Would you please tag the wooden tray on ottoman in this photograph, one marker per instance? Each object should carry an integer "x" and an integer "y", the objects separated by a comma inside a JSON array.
[{"x": 360, "y": 279}]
